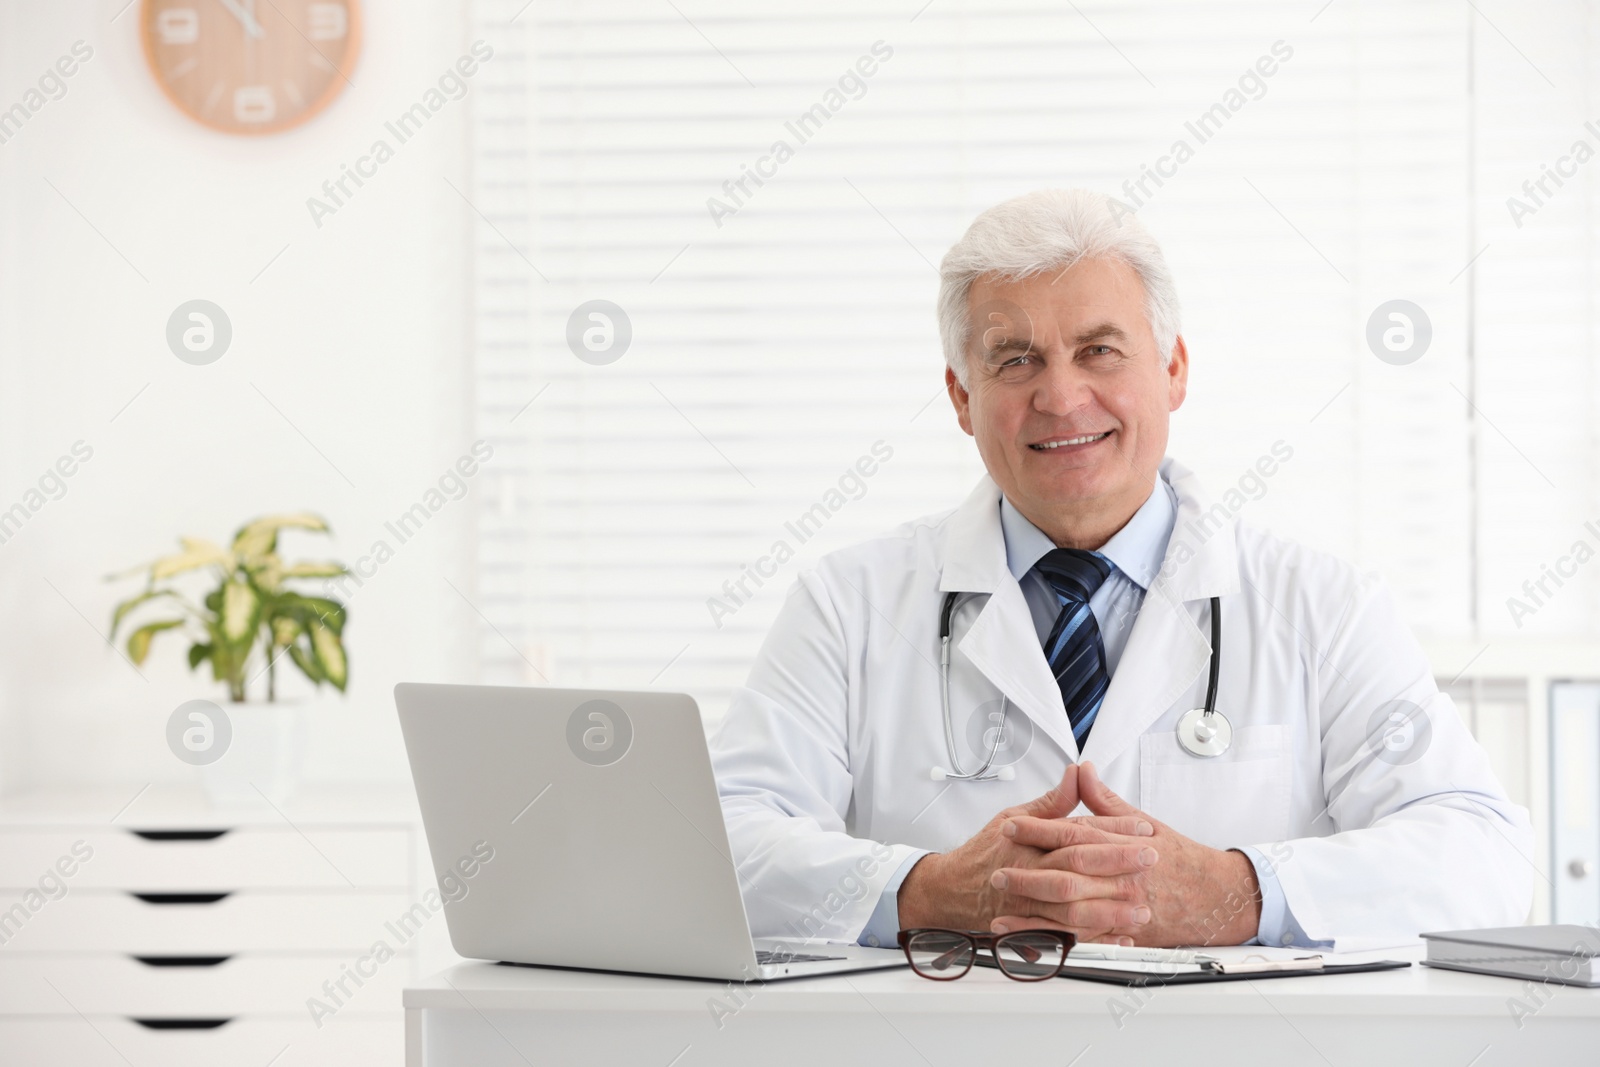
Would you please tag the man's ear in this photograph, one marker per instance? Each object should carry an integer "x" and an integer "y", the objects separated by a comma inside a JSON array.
[
  {"x": 959, "y": 400},
  {"x": 1178, "y": 374}
]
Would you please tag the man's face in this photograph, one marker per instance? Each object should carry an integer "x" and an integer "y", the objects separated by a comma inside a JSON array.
[{"x": 1063, "y": 355}]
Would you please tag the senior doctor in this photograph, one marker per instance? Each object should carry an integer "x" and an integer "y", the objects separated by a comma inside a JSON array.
[{"x": 1351, "y": 807}]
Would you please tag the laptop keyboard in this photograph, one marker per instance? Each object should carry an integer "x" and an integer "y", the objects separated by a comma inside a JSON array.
[{"x": 766, "y": 956}]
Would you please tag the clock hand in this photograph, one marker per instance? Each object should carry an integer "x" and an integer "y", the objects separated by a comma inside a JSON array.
[{"x": 246, "y": 18}]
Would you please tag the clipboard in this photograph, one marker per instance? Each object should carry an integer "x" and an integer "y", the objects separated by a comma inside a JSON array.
[{"x": 1143, "y": 979}]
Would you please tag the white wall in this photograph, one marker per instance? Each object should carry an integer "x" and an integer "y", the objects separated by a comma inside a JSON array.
[{"x": 356, "y": 332}]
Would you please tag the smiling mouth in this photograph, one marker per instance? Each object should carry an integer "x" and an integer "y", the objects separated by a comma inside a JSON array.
[{"x": 1086, "y": 439}]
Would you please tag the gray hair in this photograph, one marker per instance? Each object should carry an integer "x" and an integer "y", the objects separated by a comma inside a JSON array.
[{"x": 1051, "y": 229}]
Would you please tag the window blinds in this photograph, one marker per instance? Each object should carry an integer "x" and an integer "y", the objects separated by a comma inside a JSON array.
[{"x": 764, "y": 192}]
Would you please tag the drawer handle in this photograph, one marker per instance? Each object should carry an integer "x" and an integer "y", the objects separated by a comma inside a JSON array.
[
  {"x": 179, "y": 835},
  {"x": 183, "y": 1024},
  {"x": 182, "y": 961},
  {"x": 181, "y": 898}
]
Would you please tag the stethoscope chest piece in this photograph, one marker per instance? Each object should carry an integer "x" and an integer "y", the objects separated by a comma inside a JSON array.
[
  {"x": 1202, "y": 734},
  {"x": 1206, "y": 732}
]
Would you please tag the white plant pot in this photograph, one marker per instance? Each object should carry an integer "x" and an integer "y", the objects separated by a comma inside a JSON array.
[{"x": 265, "y": 754}]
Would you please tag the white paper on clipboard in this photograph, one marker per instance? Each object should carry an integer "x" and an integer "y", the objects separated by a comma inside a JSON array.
[{"x": 1252, "y": 964}]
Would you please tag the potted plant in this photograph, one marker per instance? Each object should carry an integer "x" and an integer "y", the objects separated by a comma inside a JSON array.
[
  {"x": 251, "y": 619},
  {"x": 252, "y": 605}
]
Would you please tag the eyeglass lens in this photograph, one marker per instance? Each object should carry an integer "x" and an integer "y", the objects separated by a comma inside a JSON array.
[
  {"x": 941, "y": 955},
  {"x": 1030, "y": 956}
]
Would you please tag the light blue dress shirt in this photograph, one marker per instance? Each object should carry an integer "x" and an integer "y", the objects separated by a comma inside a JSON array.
[{"x": 1137, "y": 551}]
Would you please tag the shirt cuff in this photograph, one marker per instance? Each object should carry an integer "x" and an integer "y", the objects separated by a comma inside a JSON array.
[
  {"x": 883, "y": 929},
  {"x": 1278, "y": 925}
]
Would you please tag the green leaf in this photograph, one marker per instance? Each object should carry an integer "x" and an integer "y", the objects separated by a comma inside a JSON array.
[
  {"x": 314, "y": 570},
  {"x": 139, "y": 640},
  {"x": 329, "y": 650},
  {"x": 128, "y": 605},
  {"x": 329, "y": 613},
  {"x": 285, "y": 628},
  {"x": 196, "y": 553},
  {"x": 311, "y": 610},
  {"x": 307, "y": 663},
  {"x": 199, "y": 652},
  {"x": 241, "y": 612},
  {"x": 220, "y": 663},
  {"x": 259, "y": 537},
  {"x": 266, "y": 572}
]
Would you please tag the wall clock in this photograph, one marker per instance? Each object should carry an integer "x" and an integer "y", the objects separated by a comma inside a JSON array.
[{"x": 251, "y": 66}]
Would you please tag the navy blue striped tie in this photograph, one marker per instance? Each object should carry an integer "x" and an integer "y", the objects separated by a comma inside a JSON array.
[{"x": 1076, "y": 654}]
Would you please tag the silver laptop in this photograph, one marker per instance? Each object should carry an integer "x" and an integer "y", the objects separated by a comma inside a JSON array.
[{"x": 581, "y": 828}]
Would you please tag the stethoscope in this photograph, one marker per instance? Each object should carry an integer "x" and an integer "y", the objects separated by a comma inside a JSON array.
[
  {"x": 1202, "y": 732},
  {"x": 1206, "y": 732},
  {"x": 982, "y": 774}
]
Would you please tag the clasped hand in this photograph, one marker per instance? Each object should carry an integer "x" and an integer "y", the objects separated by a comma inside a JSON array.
[{"x": 1117, "y": 875}]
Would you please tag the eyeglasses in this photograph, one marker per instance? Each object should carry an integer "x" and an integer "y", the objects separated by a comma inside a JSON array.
[{"x": 1026, "y": 955}]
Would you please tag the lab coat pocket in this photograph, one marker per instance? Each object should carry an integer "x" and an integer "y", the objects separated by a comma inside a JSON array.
[{"x": 1238, "y": 798}]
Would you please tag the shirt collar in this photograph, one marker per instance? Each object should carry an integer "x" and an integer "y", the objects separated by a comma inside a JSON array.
[{"x": 1136, "y": 550}]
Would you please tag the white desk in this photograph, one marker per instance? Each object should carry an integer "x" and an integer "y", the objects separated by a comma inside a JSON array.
[{"x": 486, "y": 1015}]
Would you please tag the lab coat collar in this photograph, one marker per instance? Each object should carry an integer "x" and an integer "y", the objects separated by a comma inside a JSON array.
[
  {"x": 1166, "y": 648},
  {"x": 975, "y": 546},
  {"x": 974, "y": 561},
  {"x": 1198, "y": 563}
]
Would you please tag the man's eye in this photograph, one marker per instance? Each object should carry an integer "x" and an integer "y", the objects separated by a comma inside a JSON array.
[
  {"x": 1100, "y": 350},
  {"x": 1008, "y": 366}
]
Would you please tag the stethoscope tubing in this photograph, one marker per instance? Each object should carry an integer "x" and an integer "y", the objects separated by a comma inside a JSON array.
[
  {"x": 1216, "y": 656},
  {"x": 982, "y": 774}
]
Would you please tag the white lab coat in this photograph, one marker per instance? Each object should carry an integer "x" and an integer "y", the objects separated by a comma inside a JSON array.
[{"x": 827, "y": 748}]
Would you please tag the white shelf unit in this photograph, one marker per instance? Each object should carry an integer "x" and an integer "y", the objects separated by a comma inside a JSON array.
[
  {"x": 177, "y": 932},
  {"x": 1502, "y": 687}
]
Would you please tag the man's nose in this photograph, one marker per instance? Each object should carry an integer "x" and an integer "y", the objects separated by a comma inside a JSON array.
[{"x": 1063, "y": 388}]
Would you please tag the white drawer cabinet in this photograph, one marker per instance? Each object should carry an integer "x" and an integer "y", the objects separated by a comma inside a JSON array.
[
  {"x": 246, "y": 1042},
  {"x": 90, "y": 920},
  {"x": 207, "y": 988},
  {"x": 211, "y": 858},
  {"x": 174, "y": 932}
]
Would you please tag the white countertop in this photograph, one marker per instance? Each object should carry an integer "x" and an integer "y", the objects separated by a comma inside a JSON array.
[{"x": 1415, "y": 991}]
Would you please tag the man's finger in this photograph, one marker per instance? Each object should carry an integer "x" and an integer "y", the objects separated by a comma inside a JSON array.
[
  {"x": 1050, "y": 886},
  {"x": 1091, "y": 917},
  {"x": 1057, "y": 802},
  {"x": 1013, "y": 923},
  {"x": 1109, "y": 938},
  {"x": 1081, "y": 937},
  {"x": 1101, "y": 801},
  {"x": 1103, "y": 860},
  {"x": 1083, "y": 829}
]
